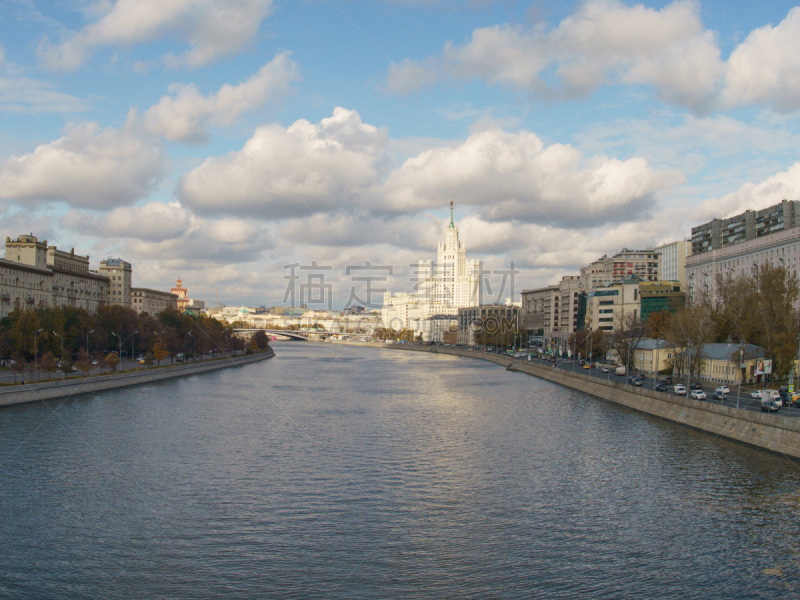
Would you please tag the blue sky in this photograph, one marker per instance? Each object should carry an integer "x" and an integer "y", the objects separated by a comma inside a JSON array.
[{"x": 222, "y": 139}]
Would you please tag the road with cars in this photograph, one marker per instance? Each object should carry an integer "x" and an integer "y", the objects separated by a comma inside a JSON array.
[
  {"x": 6, "y": 376},
  {"x": 744, "y": 402}
]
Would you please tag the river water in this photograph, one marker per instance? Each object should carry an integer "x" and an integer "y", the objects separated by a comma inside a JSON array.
[{"x": 347, "y": 472}]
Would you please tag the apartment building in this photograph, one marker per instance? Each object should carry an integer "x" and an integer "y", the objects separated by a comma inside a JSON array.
[
  {"x": 673, "y": 260},
  {"x": 35, "y": 274},
  {"x": 739, "y": 245},
  {"x": 23, "y": 286},
  {"x": 152, "y": 302},
  {"x": 605, "y": 308},
  {"x": 119, "y": 273},
  {"x": 73, "y": 283}
]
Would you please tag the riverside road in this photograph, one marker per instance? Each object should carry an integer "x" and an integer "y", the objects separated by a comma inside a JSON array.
[{"x": 745, "y": 403}]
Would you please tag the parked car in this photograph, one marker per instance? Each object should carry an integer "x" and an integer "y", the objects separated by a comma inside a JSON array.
[
  {"x": 680, "y": 390},
  {"x": 695, "y": 386},
  {"x": 605, "y": 369},
  {"x": 699, "y": 395},
  {"x": 723, "y": 389},
  {"x": 661, "y": 387}
]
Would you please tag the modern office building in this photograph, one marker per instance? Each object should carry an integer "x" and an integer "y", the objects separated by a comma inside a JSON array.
[
  {"x": 658, "y": 296},
  {"x": 673, "y": 260},
  {"x": 490, "y": 321}
]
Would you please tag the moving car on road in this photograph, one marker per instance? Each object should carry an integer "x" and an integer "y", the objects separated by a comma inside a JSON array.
[
  {"x": 774, "y": 396},
  {"x": 620, "y": 371},
  {"x": 680, "y": 390},
  {"x": 635, "y": 381},
  {"x": 699, "y": 395},
  {"x": 756, "y": 394},
  {"x": 605, "y": 369},
  {"x": 717, "y": 395},
  {"x": 768, "y": 406},
  {"x": 661, "y": 387},
  {"x": 695, "y": 386},
  {"x": 724, "y": 389}
]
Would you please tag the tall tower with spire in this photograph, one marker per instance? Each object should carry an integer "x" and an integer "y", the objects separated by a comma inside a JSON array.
[{"x": 442, "y": 287}]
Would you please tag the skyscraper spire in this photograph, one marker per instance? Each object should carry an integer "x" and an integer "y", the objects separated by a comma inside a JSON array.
[{"x": 452, "y": 226}]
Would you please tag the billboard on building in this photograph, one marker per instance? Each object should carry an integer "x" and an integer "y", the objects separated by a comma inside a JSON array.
[{"x": 763, "y": 367}]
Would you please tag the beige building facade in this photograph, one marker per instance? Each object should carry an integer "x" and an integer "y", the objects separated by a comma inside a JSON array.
[
  {"x": 119, "y": 273},
  {"x": 152, "y": 302}
]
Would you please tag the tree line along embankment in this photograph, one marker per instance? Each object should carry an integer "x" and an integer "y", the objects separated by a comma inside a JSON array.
[{"x": 51, "y": 390}]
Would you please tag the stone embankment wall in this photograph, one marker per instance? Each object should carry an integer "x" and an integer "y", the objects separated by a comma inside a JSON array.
[
  {"x": 767, "y": 431},
  {"x": 72, "y": 387}
]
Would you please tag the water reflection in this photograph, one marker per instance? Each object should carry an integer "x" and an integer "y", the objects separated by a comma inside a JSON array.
[{"x": 342, "y": 472}]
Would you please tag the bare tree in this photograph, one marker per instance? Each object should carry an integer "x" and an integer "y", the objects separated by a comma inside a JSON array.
[
  {"x": 17, "y": 366},
  {"x": 690, "y": 330},
  {"x": 629, "y": 332},
  {"x": 48, "y": 363}
]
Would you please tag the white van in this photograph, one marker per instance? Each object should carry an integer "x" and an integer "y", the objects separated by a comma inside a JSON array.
[{"x": 771, "y": 396}]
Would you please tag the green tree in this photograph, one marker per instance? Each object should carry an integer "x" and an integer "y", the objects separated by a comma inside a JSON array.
[
  {"x": 25, "y": 324},
  {"x": 159, "y": 353}
]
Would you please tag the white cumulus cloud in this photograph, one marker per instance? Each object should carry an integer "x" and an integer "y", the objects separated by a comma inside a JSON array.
[
  {"x": 604, "y": 41},
  {"x": 755, "y": 196},
  {"x": 88, "y": 166},
  {"x": 765, "y": 68},
  {"x": 286, "y": 172},
  {"x": 515, "y": 177},
  {"x": 212, "y": 28},
  {"x": 186, "y": 114}
]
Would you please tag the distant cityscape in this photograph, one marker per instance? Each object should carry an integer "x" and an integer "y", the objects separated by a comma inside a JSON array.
[{"x": 448, "y": 295}]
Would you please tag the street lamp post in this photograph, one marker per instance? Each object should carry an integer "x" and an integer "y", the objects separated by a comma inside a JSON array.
[
  {"x": 62, "y": 349},
  {"x": 87, "y": 340},
  {"x": 688, "y": 364},
  {"x": 35, "y": 363},
  {"x": 741, "y": 362},
  {"x": 133, "y": 353},
  {"x": 187, "y": 347},
  {"x": 120, "y": 345}
]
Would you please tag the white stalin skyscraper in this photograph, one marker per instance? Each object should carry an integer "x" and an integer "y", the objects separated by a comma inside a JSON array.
[{"x": 438, "y": 288}]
